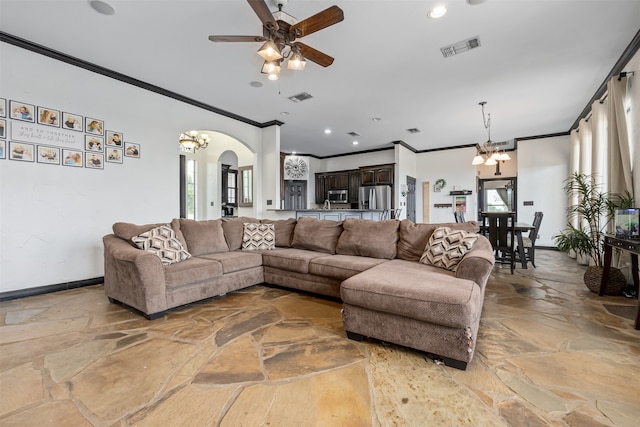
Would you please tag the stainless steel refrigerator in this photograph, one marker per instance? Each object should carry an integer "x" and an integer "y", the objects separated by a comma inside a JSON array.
[{"x": 375, "y": 197}]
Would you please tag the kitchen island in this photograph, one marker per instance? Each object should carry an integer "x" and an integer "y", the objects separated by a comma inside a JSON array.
[{"x": 342, "y": 214}]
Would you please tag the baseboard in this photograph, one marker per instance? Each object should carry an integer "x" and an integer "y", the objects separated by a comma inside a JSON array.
[
  {"x": 21, "y": 293},
  {"x": 547, "y": 248}
]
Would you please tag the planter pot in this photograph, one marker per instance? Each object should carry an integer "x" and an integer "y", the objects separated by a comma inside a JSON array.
[{"x": 593, "y": 277}]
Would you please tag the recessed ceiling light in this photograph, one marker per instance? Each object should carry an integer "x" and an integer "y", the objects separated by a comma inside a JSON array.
[
  {"x": 376, "y": 119},
  {"x": 284, "y": 113},
  {"x": 327, "y": 131},
  {"x": 474, "y": 2},
  {"x": 437, "y": 12},
  {"x": 102, "y": 7},
  {"x": 355, "y": 142},
  {"x": 293, "y": 152},
  {"x": 255, "y": 84}
]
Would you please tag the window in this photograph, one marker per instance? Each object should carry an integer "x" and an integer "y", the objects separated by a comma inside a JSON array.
[
  {"x": 191, "y": 189},
  {"x": 229, "y": 186}
]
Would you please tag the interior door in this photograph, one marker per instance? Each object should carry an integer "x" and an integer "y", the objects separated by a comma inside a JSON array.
[
  {"x": 411, "y": 198},
  {"x": 295, "y": 194}
]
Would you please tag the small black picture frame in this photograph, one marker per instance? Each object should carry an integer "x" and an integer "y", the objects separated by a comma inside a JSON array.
[
  {"x": 93, "y": 126},
  {"x": 48, "y": 155},
  {"x": 72, "y": 121},
  {"x": 94, "y": 143},
  {"x": 22, "y": 111},
  {"x": 94, "y": 161},
  {"x": 48, "y": 117},
  {"x": 72, "y": 158},
  {"x": 115, "y": 139},
  {"x": 131, "y": 150},
  {"x": 21, "y": 151},
  {"x": 114, "y": 155}
]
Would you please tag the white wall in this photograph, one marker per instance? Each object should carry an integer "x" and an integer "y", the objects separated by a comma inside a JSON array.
[
  {"x": 455, "y": 167},
  {"x": 52, "y": 218},
  {"x": 543, "y": 166}
]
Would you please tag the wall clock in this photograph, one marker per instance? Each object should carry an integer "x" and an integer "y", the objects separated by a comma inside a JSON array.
[{"x": 295, "y": 168}]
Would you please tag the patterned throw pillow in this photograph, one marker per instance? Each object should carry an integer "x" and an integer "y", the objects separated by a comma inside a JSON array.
[
  {"x": 162, "y": 241},
  {"x": 446, "y": 247},
  {"x": 258, "y": 237}
]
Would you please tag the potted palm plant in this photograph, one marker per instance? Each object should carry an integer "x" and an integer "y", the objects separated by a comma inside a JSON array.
[{"x": 593, "y": 210}]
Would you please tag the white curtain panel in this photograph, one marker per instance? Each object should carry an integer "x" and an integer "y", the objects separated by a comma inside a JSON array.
[
  {"x": 620, "y": 178},
  {"x": 599, "y": 143}
]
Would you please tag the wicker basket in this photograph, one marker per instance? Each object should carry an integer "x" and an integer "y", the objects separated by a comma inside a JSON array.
[{"x": 593, "y": 277}]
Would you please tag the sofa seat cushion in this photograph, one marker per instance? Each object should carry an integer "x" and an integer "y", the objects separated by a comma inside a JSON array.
[
  {"x": 376, "y": 239},
  {"x": 193, "y": 270},
  {"x": 342, "y": 267},
  {"x": 236, "y": 261},
  {"x": 290, "y": 259},
  {"x": 417, "y": 291}
]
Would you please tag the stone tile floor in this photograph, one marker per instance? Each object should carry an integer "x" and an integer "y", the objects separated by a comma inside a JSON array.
[{"x": 549, "y": 352}]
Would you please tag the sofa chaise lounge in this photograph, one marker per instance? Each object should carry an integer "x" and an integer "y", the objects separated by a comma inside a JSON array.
[{"x": 391, "y": 288}]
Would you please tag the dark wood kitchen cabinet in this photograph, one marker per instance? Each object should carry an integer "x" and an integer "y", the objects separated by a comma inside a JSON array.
[{"x": 377, "y": 175}]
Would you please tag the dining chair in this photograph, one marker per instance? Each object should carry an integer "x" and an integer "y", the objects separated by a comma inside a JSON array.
[
  {"x": 501, "y": 232},
  {"x": 459, "y": 216},
  {"x": 529, "y": 242}
]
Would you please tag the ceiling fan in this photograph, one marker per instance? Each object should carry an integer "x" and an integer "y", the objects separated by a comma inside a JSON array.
[{"x": 280, "y": 31}]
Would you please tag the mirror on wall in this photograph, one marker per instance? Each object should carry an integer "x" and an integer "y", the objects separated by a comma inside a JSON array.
[
  {"x": 497, "y": 195},
  {"x": 245, "y": 174}
]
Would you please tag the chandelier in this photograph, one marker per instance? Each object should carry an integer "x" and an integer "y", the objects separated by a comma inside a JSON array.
[
  {"x": 191, "y": 141},
  {"x": 488, "y": 153}
]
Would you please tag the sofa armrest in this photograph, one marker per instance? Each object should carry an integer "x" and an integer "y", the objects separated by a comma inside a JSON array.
[
  {"x": 133, "y": 276},
  {"x": 477, "y": 264}
]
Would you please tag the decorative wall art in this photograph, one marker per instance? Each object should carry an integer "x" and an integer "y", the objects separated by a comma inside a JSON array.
[
  {"x": 131, "y": 149},
  {"x": 22, "y": 111},
  {"x": 114, "y": 155},
  {"x": 72, "y": 158},
  {"x": 48, "y": 117},
  {"x": 94, "y": 143},
  {"x": 21, "y": 151},
  {"x": 295, "y": 168},
  {"x": 49, "y": 155},
  {"x": 114, "y": 139},
  {"x": 72, "y": 121},
  {"x": 93, "y": 126},
  {"x": 79, "y": 141}
]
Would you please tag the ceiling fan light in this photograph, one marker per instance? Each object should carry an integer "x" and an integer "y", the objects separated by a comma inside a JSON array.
[
  {"x": 269, "y": 67},
  {"x": 296, "y": 62},
  {"x": 269, "y": 51},
  {"x": 477, "y": 160}
]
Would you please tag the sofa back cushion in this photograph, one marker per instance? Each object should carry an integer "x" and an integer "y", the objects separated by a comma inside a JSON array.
[
  {"x": 284, "y": 230},
  {"x": 413, "y": 238},
  {"x": 233, "y": 230},
  {"x": 319, "y": 235},
  {"x": 203, "y": 237},
  {"x": 375, "y": 239},
  {"x": 127, "y": 231}
]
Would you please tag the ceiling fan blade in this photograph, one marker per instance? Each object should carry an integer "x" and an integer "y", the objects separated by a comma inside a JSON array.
[
  {"x": 237, "y": 38},
  {"x": 262, "y": 10},
  {"x": 317, "y": 22},
  {"x": 314, "y": 55}
]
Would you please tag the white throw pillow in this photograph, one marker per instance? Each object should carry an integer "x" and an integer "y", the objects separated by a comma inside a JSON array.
[
  {"x": 162, "y": 242},
  {"x": 258, "y": 237},
  {"x": 446, "y": 247}
]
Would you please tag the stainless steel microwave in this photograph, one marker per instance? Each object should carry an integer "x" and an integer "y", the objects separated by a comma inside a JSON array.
[{"x": 339, "y": 196}]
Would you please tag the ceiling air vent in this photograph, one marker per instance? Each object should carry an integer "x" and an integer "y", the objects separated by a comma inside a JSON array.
[
  {"x": 300, "y": 97},
  {"x": 353, "y": 134},
  {"x": 460, "y": 47},
  {"x": 413, "y": 130}
]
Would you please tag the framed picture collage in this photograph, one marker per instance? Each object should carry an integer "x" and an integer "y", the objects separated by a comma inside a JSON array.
[{"x": 30, "y": 133}]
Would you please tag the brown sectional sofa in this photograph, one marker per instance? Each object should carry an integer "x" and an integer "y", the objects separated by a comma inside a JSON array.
[{"x": 372, "y": 266}]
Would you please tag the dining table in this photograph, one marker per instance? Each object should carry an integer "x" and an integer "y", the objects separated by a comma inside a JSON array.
[{"x": 519, "y": 227}]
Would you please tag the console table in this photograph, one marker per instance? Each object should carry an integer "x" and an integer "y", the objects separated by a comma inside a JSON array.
[{"x": 631, "y": 246}]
